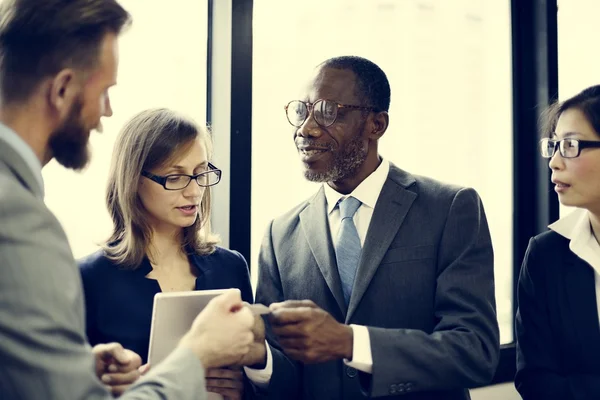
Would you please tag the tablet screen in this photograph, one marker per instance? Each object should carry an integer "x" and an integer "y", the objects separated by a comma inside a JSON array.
[{"x": 172, "y": 316}]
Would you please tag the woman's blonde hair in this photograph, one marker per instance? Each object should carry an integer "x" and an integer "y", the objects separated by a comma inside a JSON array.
[{"x": 151, "y": 139}]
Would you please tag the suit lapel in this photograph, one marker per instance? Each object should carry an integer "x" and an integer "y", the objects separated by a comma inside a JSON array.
[
  {"x": 389, "y": 213},
  {"x": 19, "y": 168},
  {"x": 315, "y": 224},
  {"x": 582, "y": 306}
]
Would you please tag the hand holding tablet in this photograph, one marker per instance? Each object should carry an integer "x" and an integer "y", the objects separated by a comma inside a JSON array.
[
  {"x": 214, "y": 324},
  {"x": 175, "y": 313}
]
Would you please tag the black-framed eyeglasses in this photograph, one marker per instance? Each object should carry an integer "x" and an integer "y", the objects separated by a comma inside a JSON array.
[
  {"x": 325, "y": 112},
  {"x": 568, "y": 148},
  {"x": 181, "y": 181}
]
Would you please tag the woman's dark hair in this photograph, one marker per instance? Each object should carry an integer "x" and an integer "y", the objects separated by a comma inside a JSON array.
[{"x": 587, "y": 101}]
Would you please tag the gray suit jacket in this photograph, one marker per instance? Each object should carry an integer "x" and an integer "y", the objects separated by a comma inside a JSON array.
[
  {"x": 43, "y": 350},
  {"x": 424, "y": 288}
]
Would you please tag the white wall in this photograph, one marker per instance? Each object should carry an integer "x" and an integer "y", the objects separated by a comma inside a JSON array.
[{"x": 578, "y": 59}]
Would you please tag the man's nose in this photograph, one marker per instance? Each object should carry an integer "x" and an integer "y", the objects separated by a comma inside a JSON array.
[
  {"x": 309, "y": 128},
  {"x": 108, "y": 112}
]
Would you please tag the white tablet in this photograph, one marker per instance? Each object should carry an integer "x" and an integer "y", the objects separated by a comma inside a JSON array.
[{"x": 172, "y": 316}]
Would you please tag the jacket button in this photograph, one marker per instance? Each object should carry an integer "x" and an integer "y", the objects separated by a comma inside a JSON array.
[
  {"x": 351, "y": 372},
  {"x": 392, "y": 389}
]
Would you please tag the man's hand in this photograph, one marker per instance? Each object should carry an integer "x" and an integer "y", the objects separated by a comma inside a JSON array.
[
  {"x": 257, "y": 355},
  {"x": 221, "y": 334},
  {"x": 309, "y": 334},
  {"x": 228, "y": 382},
  {"x": 117, "y": 368}
]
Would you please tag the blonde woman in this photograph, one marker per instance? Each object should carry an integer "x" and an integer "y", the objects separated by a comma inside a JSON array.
[{"x": 159, "y": 200}]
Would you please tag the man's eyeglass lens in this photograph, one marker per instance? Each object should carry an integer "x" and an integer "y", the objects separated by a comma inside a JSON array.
[{"x": 324, "y": 112}]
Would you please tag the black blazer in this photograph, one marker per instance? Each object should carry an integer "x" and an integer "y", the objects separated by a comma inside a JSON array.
[
  {"x": 558, "y": 332},
  {"x": 119, "y": 302}
]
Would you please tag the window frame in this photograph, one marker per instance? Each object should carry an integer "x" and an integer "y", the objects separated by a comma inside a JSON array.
[{"x": 535, "y": 85}]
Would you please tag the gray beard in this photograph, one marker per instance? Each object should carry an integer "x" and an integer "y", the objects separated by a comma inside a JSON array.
[{"x": 344, "y": 165}]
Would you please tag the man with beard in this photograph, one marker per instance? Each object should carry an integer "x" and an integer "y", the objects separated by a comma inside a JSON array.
[
  {"x": 58, "y": 58},
  {"x": 382, "y": 283}
]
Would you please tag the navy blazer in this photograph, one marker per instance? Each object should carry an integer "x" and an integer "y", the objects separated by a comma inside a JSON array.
[
  {"x": 119, "y": 301},
  {"x": 557, "y": 326}
]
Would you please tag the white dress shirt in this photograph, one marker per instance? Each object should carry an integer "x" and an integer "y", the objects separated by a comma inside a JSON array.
[
  {"x": 368, "y": 193},
  {"x": 21, "y": 148},
  {"x": 578, "y": 229}
]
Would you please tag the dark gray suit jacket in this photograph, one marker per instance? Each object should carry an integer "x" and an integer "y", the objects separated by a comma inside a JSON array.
[
  {"x": 43, "y": 350},
  {"x": 424, "y": 288}
]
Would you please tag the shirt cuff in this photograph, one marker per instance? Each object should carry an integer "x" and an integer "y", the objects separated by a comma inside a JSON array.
[
  {"x": 262, "y": 377},
  {"x": 362, "y": 358}
]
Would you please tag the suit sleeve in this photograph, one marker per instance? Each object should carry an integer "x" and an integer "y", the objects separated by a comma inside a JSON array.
[
  {"x": 463, "y": 349},
  {"x": 43, "y": 347},
  {"x": 538, "y": 364},
  {"x": 286, "y": 379}
]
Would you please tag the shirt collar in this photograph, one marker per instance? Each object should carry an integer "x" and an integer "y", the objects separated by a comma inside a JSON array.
[
  {"x": 576, "y": 227},
  {"x": 367, "y": 191},
  {"x": 23, "y": 150},
  {"x": 573, "y": 226}
]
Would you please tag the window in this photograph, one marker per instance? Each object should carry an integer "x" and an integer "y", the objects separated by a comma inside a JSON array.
[
  {"x": 162, "y": 64},
  {"x": 578, "y": 63},
  {"x": 449, "y": 66}
]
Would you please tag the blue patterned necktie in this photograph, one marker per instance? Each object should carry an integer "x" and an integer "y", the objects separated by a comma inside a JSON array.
[{"x": 347, "y": 245}]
